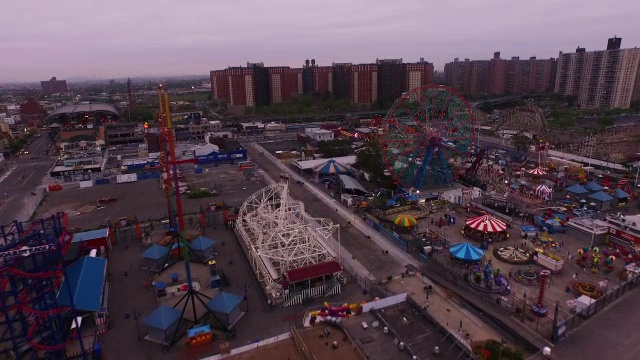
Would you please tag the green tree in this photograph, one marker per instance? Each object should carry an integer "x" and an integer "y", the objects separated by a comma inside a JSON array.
[
  {"x": 520, "y": 142},
  {"x": 605, "y": 121},
  {"x": 333, "y": 148},
  {"x": 369, "y": 159},
  {"x": 140, "y": 114}
]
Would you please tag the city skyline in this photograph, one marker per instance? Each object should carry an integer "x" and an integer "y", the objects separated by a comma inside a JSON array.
[{"x": 117, "y": 39}]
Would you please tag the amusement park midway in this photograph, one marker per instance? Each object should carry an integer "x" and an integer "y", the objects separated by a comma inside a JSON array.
[{"x": 440, "y": 305}]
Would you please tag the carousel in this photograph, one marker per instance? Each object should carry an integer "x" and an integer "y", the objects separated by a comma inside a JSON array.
[
  {"x": 538, "y": 172},
  {"x": 485, "y": 228}
]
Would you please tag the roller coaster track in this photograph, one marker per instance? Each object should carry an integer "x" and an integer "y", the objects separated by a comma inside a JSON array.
[{"x": 614, "y": 143}]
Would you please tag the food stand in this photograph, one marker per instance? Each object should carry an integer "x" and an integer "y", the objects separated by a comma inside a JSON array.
[{"x": 548, "y": 260}]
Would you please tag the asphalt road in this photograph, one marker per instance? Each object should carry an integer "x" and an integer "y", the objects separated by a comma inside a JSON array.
[{"x": 25, "y": 177}]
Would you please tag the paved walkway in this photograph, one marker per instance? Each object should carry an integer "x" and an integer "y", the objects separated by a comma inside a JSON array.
[{"x": 441, "y": 305}]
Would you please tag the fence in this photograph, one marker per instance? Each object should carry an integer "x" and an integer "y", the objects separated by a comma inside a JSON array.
[
  {"x": 528, "y": 331},
  {"x": 395, "y": 239},
  {"x": 571, "y": 323},
  {"x": 31, "y": 205}
]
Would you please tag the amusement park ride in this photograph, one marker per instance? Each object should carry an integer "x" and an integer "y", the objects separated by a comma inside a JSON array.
[
  {"x": 170, "y": 162},
  {"x": 428, "y": 137},
  {"x": 34, "y": 323}
]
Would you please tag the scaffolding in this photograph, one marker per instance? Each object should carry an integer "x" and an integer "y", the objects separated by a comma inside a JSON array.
[
  {"x": 32, "y": 323},
  {"x": 280, "y": 236}
]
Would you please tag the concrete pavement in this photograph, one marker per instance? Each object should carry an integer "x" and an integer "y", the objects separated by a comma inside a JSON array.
[
  {"x": 441, "y": 305},
  {"x": 24, "y": 176}
]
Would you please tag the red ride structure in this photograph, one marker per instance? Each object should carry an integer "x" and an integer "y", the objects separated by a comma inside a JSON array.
[{"x": 33, "y": 325}]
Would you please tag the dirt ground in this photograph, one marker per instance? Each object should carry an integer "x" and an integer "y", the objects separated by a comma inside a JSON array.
[{"x": 285, "y": 349}]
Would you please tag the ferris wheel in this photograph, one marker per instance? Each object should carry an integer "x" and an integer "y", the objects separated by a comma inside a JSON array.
[{"x": 428, "y": 137}]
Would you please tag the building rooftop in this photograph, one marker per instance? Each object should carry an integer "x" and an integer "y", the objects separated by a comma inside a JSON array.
[
  {"x": 86, "y": 279},
  {"x": 91, "y": 235},
  {"x": 162, "y": 318},
  {"x": 224, "y": 302}
]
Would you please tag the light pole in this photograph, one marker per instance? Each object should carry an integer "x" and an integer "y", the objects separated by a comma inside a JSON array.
[
  {"x": 593, "y": 231},
  {"x": 637, "y": 164}
]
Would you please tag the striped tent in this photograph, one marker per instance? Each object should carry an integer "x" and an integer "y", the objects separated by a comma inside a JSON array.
[
  {"x": 466, "y": 252},
  {"x": 331, "y": 167},
  {"x": 405, "y": 221},
  {"x": 537, "y": 171},
  {"x": 486, "y": 223},
  {"x": 544, "y": 191}
]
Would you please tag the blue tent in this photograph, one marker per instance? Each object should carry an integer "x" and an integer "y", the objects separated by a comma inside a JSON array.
[
  {"x": 332, "y": 167},
  {"x": 601, "y": 196},
  {"x": 621, "y": 194},
  {"x": 86, "y": 279},
  {"x": 155, "y": 252},
  {"x": 201, "y": 243},
  {"x": 515, "y": 186},
  {"x": 593, "y": 186},
  {"x": 577, "y": 189},
  {"x": 224, "y": 303},
  {"x": 162, "y": 318},
  {"x": 466, "y": 252}
]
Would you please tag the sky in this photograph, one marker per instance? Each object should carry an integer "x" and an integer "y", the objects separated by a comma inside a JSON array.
[{"x": 121, "y": 38}]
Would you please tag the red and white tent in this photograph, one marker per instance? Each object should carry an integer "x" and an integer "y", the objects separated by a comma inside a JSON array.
[
  {"x": 486, "y": 223},
  {"x": 537, "y": 171},
  {"x": 544, "y": 191}
]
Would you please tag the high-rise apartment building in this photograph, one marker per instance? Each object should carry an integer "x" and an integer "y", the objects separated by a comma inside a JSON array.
[
  {"x": 604, "y": 78},
  {"x": 342, "y": 80},
  {"x": 323, "y": 79},
  {"x": 418, "y": 74},
  {"x": 364, "y": 84},
  {"x": 54, "y": 86},
  {"x": 500, "y": 76},
  {"x": 392, "y": 79},
  {"x": 285, "y": 83},
  {"x": 257, "y": 85}
]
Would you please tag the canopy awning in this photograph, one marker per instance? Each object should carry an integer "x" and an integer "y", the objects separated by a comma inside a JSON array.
[
  {"x": 466, "y": 252},
  {"x": 486, "y": 223},
  {"x": 350, "y": 183}
]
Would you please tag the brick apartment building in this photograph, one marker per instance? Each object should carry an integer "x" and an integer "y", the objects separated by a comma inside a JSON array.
[
  {"x": 257, "y": 85},
  {"x": 243, "y": 86},
  {"x": 604, "y": 78},
  {"x": 285, "y": 83},
  {"x": 54, "y": 86},
  {"x": 500, "y": 76}
]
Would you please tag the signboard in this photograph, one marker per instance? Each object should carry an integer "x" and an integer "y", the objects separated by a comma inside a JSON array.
[{"x": 623, "y": 235}]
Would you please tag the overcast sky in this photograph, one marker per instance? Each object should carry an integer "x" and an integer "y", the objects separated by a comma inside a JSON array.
[{"x": 119, "y": 38}]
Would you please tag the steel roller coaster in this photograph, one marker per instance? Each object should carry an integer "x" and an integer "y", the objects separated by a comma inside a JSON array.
[{"x": 33, "y": 325}]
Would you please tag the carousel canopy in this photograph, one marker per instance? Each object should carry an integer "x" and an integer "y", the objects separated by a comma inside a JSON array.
[
  {"x": 486, "y": 223},
  {"x": 577, "y": 189},
  {"x": 621, "y": 194},
  {"x": 405, "y": 221},
  {"x": 332, "y": 167},
  {"x": 537, "y": 171},
  {"x": 593, "y": 186},
  {"x": 466, "y": 252},
  {"x": 601, "y": 196}
]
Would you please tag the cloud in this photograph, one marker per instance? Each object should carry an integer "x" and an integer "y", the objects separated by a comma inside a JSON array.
[{"x": 125, "y": 37}]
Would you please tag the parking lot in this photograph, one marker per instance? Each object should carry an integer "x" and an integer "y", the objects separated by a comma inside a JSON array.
[{"x": 145, "y": 199}]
